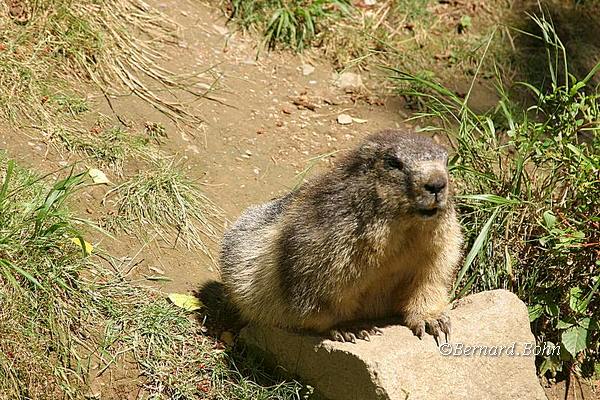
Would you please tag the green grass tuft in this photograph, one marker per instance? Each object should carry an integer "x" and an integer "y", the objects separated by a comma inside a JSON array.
[
  {"x": 290, "y": 23},
  {"x": 163, "y": 199}
]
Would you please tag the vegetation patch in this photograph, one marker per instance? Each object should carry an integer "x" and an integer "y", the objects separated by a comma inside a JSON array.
[
  {"x": 437, "y": 38},
  {"x": 106, "y": 146},
  {"x": 291, "y": 23},
  {"x": 68, "y": 320},
  {"x": 529, "y": 175}
]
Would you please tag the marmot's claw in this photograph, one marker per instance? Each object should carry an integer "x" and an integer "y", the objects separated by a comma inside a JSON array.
[
  {"x": 419, "y": 330},
  {"x": 349, "y": 336},
  {"x": 352, "y": 335},
  {"x": 342, "y": 336},
  {"x": 435, "y": 327},
  {"x": 336, "y": 336},
  {"x": 445, "y": 326},
  {"x": 364, "y": 335}
]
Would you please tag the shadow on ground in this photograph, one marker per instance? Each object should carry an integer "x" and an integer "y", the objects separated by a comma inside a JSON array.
[
  {"x": 218, "y": 314},
  {"x": 577, "y": 24}
]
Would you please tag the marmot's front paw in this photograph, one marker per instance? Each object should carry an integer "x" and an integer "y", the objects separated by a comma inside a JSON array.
[
  {"x": 352, "y": 334},
  {"x": 434, "y": 326}
]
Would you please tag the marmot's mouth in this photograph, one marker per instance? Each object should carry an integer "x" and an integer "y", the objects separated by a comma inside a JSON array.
[{"x": 428, "y": 212}]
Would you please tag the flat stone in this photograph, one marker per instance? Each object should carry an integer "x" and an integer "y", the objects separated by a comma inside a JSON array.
[{"x": 397, "y": 365}]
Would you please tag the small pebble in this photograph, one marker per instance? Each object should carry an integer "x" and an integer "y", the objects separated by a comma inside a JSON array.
[{"x": 344, "y": 119}]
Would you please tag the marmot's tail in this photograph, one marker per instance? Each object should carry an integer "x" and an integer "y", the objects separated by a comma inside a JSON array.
[{"x": 218, "y": 312}]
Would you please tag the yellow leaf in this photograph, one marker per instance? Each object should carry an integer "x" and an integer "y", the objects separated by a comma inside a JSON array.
[
  {"x": 185, "y": 301},
  {"x": 359, "y": 120},
  {"x": 88, "y": 246},
  {"x": 98, "y": 176}
]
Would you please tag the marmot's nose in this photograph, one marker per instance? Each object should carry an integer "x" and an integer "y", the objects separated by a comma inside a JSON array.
[{"x": 436, "y": 185}]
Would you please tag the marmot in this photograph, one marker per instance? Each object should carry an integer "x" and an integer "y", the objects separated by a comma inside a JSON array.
[{"x": 377, "y": 236}]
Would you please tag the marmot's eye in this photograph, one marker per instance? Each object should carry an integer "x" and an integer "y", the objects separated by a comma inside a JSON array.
[{"x": 393, "y": 163}]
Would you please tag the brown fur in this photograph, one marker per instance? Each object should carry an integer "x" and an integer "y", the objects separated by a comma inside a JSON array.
[{"x": 355, "y": 243}]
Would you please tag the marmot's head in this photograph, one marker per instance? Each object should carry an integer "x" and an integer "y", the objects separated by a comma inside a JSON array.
[{"x": 408, "y": 171}]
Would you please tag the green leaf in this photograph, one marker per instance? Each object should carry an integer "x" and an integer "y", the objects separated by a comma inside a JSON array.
[
  {"x": 576, "y": 302},
  {"x": 591, "y": 324},
  {"x": 574, "y": 340},
  {"x": 529, "y": 86},
  {"x": 489, "y": 198},
  {"x": 552, "y": 309},
  {"x": 477, "y": 246},
  {"x": 465, "y": 21},
  {"x": 467, "y": 286},
  {"x": 7, "y": 274},
  {"x": 9, "y": 170},
  {"x": 591, "y": 74},
  {"x": 576, "y": 88},
  {"x": 185, "y": 301},
  {"x": 490, "y": 126},
  {"x": 535, "y": 311},
  {"x": 551, "y": 364},
  {"x": 23, "y": 273},
  {"x": 592, "y": 292},
  {"x": 564, "y": 324},
  {"x": 549, "y": 219}
]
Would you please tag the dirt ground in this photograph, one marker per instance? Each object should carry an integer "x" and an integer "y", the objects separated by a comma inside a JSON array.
[{"x": 253, "y": 144}]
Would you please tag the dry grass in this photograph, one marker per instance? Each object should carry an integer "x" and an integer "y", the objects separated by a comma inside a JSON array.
[
  {"x": 109, "y": 146},
  {"x": 115, "y": 45}
]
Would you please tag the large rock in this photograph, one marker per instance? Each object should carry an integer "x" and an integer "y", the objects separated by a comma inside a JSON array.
[{"x": 397, "y": 365}]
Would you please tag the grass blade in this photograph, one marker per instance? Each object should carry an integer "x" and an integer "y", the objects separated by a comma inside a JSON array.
[
  {"x": 489, "y": 198},
  {"x": 480, "y": 241},
  {"x": 9, "y": 170},
  {"x": 24, "y": 273}
]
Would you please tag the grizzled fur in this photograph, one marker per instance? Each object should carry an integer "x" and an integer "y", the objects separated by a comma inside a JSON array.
[{"x": 376, "y": 236}]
